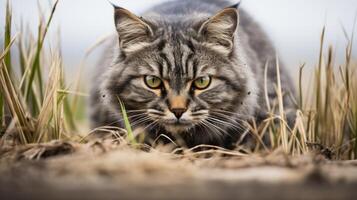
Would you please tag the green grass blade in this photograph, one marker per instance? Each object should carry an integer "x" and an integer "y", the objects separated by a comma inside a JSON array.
[
  {"x": 354, "y": 132},
  {"x": 22, "y": 59},
  {"x": 301, "y": 103},
  {"x": 130, "y": 137},
  {"x": 2, "y": 114},
  {"x": 318, "y": 85},
  {"x": 35, "y": 68},
  {"x": 7, "y": 59},
  {"x": 8, "y": 21},
  {"x": 69, "y": 115}
]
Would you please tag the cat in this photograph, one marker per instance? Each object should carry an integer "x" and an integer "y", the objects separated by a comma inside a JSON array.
[{"x": 192, "y": 71}]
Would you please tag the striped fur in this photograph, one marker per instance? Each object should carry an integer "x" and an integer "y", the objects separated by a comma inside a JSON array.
[{"x": 179, "y": 42}]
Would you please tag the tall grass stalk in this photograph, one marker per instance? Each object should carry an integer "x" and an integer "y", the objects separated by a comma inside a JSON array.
[
  {"x": 7, "y": 59},
  {"x": 35, "y": 69},
  {"x": 12, "y": 100},
  {"x": 327, "y": 113},
  {"x": 36, "y": 102},
  {"x": 8, "y": 22},
  {"x": 282, "y": 128},
  {"x": 328, "y": 122}
]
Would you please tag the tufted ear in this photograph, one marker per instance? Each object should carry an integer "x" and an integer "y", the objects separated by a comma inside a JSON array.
[
  {"x": 133, "y": 32},
  {"x": 219, "y": 31},
  {"x": 236, "y": 6}
]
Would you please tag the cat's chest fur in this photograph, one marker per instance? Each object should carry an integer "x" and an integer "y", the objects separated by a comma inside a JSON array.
[{"x": 191, "y": 71}]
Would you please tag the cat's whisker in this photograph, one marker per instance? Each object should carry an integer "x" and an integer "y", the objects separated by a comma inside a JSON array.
[
  {"x": 209, "y": 130},
  {"x": 231, "y": 124},
  {"x": 211, "y": 126},
  {"x": 223, "y": 131},
  {"x": 227, "y": 117},
  {"x": 115, "y": 122},
  {"x": 237, "y": 124},
  {"x": 135, "y": 111},
  {"x": 155, "y": 111},
  {"x": 129, "y": 117},
  {"x": 112, "y": 123},
  {"x": 137, "y": 115},
  {"x": 199, "y": 113},
  {"x": 230, "y": 113},
  {"x": 157, "y": 114},
  {"x": 118, "y": 114},
  {"x": 224, "y": 111},
  {"x": 140, "y": 121},
  {"x": 227, "y": 123},
  {"x": 154, "y": 123}
]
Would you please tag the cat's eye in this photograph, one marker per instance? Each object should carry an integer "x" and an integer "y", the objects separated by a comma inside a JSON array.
[
  {"x": 202, "y": 82},
  {"x": 153, "y": 82}
]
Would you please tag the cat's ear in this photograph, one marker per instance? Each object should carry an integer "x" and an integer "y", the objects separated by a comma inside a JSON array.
[
  {"x": 219, "y": 30},
  {"x": 236, "y": 6},
  {"x": 134, "y": 33}
]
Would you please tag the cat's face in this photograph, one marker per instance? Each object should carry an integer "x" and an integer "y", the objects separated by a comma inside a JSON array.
[{"x": 179, "y": 76}]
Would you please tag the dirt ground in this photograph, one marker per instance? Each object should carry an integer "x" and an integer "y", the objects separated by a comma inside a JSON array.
[{"x": 106, "y": 171}]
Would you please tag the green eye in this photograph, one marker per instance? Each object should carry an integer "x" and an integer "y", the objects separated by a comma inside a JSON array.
[
  {"x": 153, "y": 82},
  {"x": 202, "y": 82}
]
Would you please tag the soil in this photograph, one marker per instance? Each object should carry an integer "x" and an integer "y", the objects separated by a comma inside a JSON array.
[{"x": 103, "y": 170}]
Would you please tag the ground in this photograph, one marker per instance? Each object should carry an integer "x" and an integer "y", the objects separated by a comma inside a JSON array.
[{"x": 104, "y": 170}]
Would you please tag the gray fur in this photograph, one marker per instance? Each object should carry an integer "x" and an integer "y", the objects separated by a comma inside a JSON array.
[{"x": 178, "y": 42}]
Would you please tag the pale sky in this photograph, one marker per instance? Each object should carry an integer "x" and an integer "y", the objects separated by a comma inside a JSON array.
[{"x": 293, "y": 25}]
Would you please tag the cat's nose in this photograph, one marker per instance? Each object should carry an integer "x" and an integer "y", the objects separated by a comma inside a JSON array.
[
  {"x": 178, "y": 112},
  {"x": 178, "y": 105}
]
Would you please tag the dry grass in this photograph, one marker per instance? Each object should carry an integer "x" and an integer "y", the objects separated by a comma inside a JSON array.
[{"x": 39, "y": 107}]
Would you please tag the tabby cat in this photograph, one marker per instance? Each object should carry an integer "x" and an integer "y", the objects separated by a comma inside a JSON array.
[{"x": 189, "y": 71}]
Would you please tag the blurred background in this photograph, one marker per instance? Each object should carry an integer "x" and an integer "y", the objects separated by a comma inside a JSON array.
[{"x": 294, "y": 26}]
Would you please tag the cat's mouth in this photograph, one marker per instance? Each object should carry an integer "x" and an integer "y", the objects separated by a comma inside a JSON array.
[
  {"x": 178, "y": 126},
  {"x": 178, "y": 122},
  {"x": 174, "y": 124}
]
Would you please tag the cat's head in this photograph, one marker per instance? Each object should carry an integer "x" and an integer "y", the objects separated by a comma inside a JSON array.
[{"x": 180, "y": 73}]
